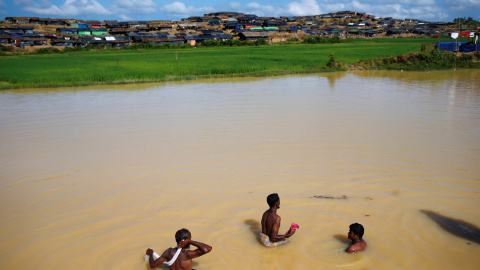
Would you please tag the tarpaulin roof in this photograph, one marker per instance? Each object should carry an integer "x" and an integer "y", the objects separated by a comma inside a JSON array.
[
  {"x": 452, "y": 46},
  {"x": 469, "y": 47}
]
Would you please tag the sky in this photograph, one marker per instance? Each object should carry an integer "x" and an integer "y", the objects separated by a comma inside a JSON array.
[{"x": 126, "y": 10}]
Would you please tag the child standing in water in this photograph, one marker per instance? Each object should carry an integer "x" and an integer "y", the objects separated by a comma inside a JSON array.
[{"x": 355, "y": 234}]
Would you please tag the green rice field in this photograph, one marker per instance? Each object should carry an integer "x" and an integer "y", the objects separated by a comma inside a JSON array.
[{"x": 138, "y": 66}]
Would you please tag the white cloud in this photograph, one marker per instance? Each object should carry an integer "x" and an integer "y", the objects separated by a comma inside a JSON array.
[
  {"x": 84, "y": 7},
  {"x": 135, "y": 6},
  {"x": 125, "y": 18},
  {"x": 399, "y": 11},
  {"x": 357, "y": 6},
  {"x": 413, "y": 2},
  {"x": 69, "y": 8},
  {"x": 42, "y": 8},
  {"x": 254, "y": 5},
  {"x": 179, "y": 9},
  {"x": 462, "y": 7},
  {"x": 2, "y": 4},
  {"x": 235, "y": 5},
  {"x": 306, "y": 7},
  {"x": 464, "y": 3},
  {"x": 425, "y": 2},
  {"x": 333, "y": 7},
  {"x": 262, "y": 10}
]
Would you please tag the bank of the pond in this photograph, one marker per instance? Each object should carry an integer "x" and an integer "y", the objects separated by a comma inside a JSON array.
[
  {"x": 85, "y": 68},
  {"x": 426, "y": 60}
]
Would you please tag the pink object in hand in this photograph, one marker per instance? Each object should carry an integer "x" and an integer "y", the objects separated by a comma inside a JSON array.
[{"x": 293, "y": 227}]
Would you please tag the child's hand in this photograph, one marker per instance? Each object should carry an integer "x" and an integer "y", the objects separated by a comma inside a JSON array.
[
  {"x": 183, "y": 243},
  {"x": 292, "y": 229}
]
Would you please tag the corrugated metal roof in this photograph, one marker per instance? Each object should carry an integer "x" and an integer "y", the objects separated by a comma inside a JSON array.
[{"x": 255, "y": 34}]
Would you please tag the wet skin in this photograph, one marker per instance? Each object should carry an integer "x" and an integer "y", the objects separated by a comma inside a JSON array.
[
  {"x": 357, "y": 243},
  {"x": 184, "y": 260},
  {"x": 271, "y": 224}
]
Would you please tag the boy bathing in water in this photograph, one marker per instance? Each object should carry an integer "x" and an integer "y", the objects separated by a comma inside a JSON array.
[
  {"x": 271, "y": 224},
  {"x": 180, "y": 258},
  {"x": 355, "y": 234}
]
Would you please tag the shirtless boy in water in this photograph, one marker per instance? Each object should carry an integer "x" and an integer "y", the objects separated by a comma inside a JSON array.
[
  {"x": 184, "y": 259},
  {"x": 271, "y": 224},
  {"x": 355, "y": 234}
]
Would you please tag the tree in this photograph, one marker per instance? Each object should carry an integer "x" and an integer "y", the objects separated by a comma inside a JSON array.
[{"x": 466, "y": 21}]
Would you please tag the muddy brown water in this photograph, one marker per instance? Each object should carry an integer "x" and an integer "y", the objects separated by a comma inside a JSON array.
[{"x": 92, "y": 177}]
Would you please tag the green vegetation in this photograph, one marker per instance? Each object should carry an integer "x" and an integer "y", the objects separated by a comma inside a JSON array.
[
  {"x": 293, "y": 40},
  {"x": 48, "y": 50},
  {"x": 113, "y": 66},
  {"x": 332, "y": 63},
  {"x": 467, "y": 22},
  {"x": 320, "y": 40},
  {"x": 231, "y": 42},
  {"x": 428, "y": 60}
]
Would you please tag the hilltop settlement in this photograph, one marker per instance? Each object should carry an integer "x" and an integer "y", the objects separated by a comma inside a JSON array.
[{"x": 34, "y": 32}]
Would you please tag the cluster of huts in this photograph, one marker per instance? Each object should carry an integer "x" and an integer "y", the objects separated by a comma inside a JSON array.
[{"x": 30, "y": 31}]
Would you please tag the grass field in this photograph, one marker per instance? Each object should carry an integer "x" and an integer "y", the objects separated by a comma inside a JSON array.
[{"x": 137, "y": 66}]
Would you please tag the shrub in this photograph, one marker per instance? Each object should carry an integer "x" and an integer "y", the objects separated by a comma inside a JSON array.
[
  {"x": 47, "y": 50},
  {"x": 332, "y": 63},
  {"x": 293, "y": 40},
  {"x": 334, "y": 39},
  {"x": 260, "y": 42},
  {"x": 314, "y": 39},
  {"x": 228, "y": 42},
  {"x": 5, "y": 49},
  {"x": 210, "y": 43},
  {"x": 78, "y": 48},
  {"x": 467, "y": 57},
  {"x": 429, "y": 59},
  {"x": 477, "y": 55},
  {"x": 320, "y": 40}
]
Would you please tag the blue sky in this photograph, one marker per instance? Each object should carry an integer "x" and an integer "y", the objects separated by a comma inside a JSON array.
[{"x": 429, "y": 10}]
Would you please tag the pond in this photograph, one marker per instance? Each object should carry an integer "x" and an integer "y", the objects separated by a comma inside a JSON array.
[{"x": 92, "y": 177}]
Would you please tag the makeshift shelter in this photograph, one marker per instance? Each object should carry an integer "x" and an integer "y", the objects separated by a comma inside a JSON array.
[
  {"x": 215, "y": 21},
  {"x": 247, "y": 35},
  {"x": 99, "y": 31},
  {"x": 452, "y": 46},
  {"x": 469, "y": 47}
]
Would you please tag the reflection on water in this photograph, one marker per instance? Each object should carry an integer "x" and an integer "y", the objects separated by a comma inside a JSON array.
[
  {"x": 92, "y": 177},
  {"x": 254, "y": 226}
]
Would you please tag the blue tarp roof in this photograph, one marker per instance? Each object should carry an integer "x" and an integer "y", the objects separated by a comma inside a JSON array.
[
  {"x": 452, "y": 46},
  {"x": 469, "y": 47}
]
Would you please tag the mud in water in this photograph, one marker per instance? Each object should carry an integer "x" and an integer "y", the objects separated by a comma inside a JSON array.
[{"x": 456, "y": 227}]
